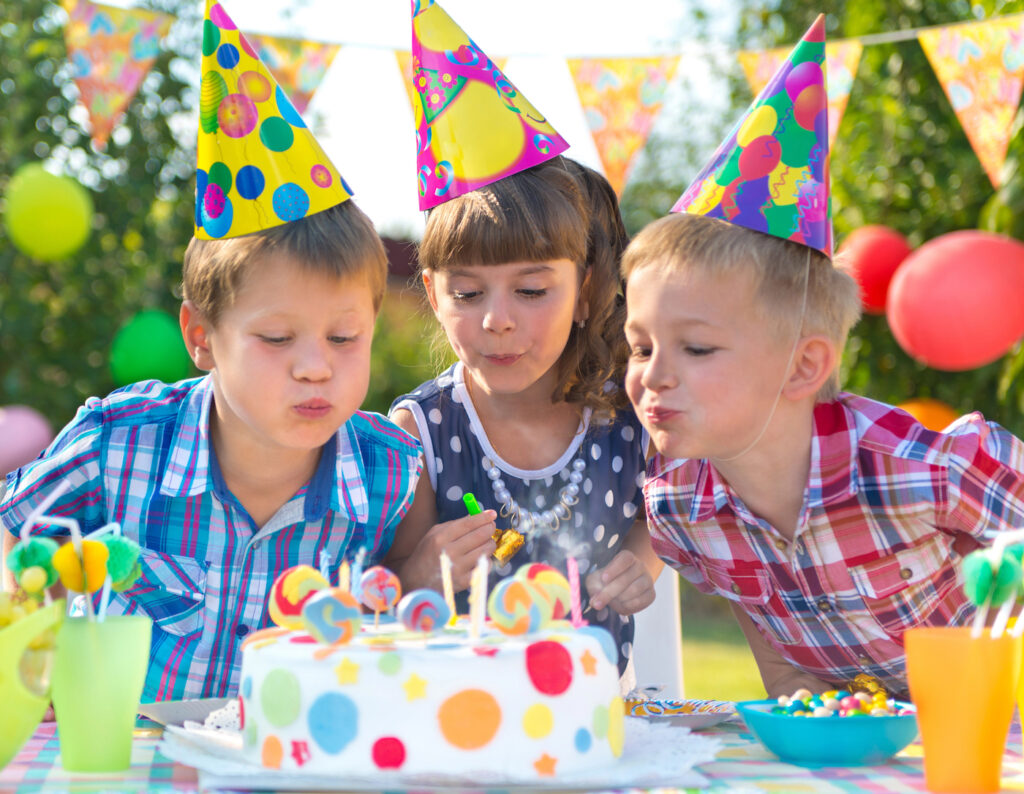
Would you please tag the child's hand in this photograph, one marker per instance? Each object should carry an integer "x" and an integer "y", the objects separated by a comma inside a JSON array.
[
  {"x": 464, "y": 539},
  {"x": 623, "y": 584}
]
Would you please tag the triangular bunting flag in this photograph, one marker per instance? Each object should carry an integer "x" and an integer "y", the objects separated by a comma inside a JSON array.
[
  {"x": 841, "y": 61},
  {"x": 621, "y": 98},
  {"x": 473, "y": 127},
  {"x": 981, "y": 68},
  {"x": 298, "y": 65},
  {"x": 404, "y": 59},
  {"x": 259, "y": 166},
  {"x": 111, "y": 50},
  {"x": 771, "y": 173}
]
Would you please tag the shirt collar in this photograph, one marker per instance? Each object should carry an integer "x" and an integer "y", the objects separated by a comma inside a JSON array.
[
  {"x": 339, "y": 482},
  {"x": 833, "y": 471}
]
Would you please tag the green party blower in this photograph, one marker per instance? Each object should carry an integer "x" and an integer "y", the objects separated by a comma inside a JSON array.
[{"x": 472, "y": 505}]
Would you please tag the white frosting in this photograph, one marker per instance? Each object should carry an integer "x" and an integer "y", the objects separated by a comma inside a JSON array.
[{"x": 540, "y": 704}]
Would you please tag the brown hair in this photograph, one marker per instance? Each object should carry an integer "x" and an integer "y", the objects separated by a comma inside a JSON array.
[
  {"x": 339, "y": 242},
  {"x": 779, "y": 269},
  {"x": 551, "y": 211}
]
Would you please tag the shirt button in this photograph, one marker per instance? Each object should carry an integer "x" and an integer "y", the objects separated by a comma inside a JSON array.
[
  {"x": 736, "y": 588},
  {"x": 824, "y": 605},
  {"x": 241, "y": 630},
  {"x": 905, "y": 573},
  {"x": 780, "y": 544},
  {"x": 863, "y": 661}
]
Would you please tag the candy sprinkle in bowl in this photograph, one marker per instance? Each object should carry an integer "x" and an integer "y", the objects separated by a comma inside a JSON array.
[{"x": 829, "y": 741}]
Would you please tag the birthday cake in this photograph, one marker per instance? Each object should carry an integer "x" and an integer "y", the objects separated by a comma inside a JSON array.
[{"x": 418, "y": 695}]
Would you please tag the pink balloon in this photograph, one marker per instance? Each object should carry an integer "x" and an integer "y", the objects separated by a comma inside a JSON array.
[
  {"x": 957, "y": 302},
  {"x": 24, "y": 433}
]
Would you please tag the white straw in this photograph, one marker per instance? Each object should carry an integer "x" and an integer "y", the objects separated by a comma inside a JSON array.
[{"x": 42, "y": 507}]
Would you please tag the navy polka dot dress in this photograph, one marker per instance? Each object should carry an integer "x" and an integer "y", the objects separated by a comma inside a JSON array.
[{"x": 458, "y": 456}]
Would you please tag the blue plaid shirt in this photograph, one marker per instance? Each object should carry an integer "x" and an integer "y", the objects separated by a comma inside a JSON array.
[{"x": 142, "y": 457}]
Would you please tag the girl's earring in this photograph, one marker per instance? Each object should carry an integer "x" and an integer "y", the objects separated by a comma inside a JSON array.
[{"x": 582, "y": 324}]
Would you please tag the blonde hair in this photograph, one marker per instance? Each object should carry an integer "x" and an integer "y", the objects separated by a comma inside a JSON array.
[
  {"x": 337, "y": 242},
  {"x": 779, "y": 270},
  {"x": 537, "y": 215}
]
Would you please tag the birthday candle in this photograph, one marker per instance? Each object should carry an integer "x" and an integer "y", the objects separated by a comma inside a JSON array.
[
  {"x": 574, "y": 592},
  {"x": 446, "y": 583},
  {"x": 344, "y": 576},
  {"x": 477, "y": 598},
  {"x": 357, "y": 572},
  {"x": 325, "y": 565}
]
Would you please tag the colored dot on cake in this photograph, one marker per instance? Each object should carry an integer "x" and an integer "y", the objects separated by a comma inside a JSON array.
[
  {"x": 333, "y": 722},
  {"x": 280, "y": 697},
  {"x": 582, "y": 740},
  {"x": 549, "y": 666},
  {"x": 273, "y": 752},
  {"x": 538, "y": 721},
  {"x": 600, "y": 721},
  {"x": 469, "y": 719},
  {"x": 389, "y": 663},
  {"x": 389, "y": 753},
  {"x": 617, "y": 726}
]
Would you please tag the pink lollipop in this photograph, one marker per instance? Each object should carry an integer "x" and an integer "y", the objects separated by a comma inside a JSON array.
[{"x": 379, "y": 588}]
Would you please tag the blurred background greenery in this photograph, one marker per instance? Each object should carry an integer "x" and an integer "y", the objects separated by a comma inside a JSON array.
[{"x": 900, "y": 159}]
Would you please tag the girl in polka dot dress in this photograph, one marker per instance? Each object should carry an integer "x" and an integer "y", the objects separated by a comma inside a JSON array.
[{"x": 530, "y": 419}]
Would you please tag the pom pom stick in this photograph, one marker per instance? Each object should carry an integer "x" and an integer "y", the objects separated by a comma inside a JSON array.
[
  {"x": 992, "y": 576},
  {"x": 379, "y": 589},
  {"x": 576, "y": 609},
  {"x": 345, "y": 576},
  {"x": 121, "y": 567},
  {"x": 1011, "y": 562},
  {"x": 478, "y": 599},
  {"x": 446, "y": 585}
]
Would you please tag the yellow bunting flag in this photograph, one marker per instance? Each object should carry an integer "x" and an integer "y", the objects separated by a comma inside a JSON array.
[
  {"x": 298, "y": 65},
  {"x": 111, "y": 50},
  {"x": 981, "y": 68},
  {"x": 621, "y": 98},
  {"x": 841, "y": 61}
]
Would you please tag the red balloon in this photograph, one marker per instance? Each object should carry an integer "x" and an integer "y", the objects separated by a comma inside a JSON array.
[
  {"x": 871, "y": 255},
  {"x": 957, "y": 302}
]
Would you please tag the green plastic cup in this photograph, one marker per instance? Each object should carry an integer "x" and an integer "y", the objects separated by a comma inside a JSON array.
[
  {"x": 98, "y": 675},
  {"x": 21, "y": 706}
]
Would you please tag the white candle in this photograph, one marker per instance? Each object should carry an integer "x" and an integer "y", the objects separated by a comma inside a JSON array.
[
  {"x": 574, "y": 592},
  {"x": 478, "y": 599},
  {"x": 446, "y": 584}
]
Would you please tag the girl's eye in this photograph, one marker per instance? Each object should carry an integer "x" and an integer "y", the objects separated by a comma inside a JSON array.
[
  {"x": 340, "y": 340},
  {"x": 274, "y": 340},
  {"x": 462, "y": 296},
  {"x": 695, "y": 350},
  {"x": 638, "y": 351},
  {"x": 533, "y": 293}
]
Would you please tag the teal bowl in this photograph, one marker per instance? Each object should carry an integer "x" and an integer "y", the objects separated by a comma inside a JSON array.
[{"x": 829, "y": 741}]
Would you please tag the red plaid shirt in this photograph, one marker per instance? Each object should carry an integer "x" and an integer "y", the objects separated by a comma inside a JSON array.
[{"x": 888, "y": 510}]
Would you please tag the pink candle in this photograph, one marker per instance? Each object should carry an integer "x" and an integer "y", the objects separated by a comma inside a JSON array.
[{"x": 574, "y": 592}]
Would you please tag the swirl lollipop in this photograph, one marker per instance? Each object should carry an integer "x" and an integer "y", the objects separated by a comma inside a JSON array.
[
  {"x": 551, "y": 582},
  {"x": 517, "y": 606},
  {"x": 423, "y": 610},
  {"x": 379, "y": 589},
  {"x": 290, "y": 592},
  {"x": 332, "y": 616}
]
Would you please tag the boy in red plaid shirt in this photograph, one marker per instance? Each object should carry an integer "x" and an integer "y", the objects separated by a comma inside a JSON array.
[{"x": 832, "y": 523}]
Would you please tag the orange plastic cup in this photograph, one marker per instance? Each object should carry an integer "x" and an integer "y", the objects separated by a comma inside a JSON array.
[{"x": 964, "y": 690}]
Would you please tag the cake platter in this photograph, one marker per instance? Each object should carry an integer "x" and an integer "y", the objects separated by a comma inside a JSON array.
[{"x": 694, "y": 714}]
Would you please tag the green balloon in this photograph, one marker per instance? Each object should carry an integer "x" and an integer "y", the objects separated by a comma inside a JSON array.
[
  {"x": 48, "y": 217},
  {"x": 149, "y": 346}
]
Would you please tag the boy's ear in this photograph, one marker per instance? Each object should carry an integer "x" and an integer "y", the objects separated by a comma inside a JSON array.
[
  {"x": 814, "y": 361},
  {"x": 428, "y": 287},
  {"x": 194, "y": 332}
]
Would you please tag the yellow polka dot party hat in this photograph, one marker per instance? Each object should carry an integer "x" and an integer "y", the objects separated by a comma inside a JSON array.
[
  {"x": 472, "y": 126},
  {"x": 259, "y": 166},
  {"x": 771, "y": 173}
]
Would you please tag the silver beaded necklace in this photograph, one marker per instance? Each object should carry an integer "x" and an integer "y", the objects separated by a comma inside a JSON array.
[{"x": 531, "y": 522}]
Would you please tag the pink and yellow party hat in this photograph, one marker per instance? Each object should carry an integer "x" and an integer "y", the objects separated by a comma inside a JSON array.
[
  {"x": 472, "y": 126},
  {"x": 259, "y": 166},
  {"x": 771, "y": 173}
]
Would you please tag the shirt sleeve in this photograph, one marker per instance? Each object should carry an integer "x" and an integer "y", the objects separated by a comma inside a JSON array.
[
  {"x": 984, "y": 477},
  {"x": 74, "y": 459}
]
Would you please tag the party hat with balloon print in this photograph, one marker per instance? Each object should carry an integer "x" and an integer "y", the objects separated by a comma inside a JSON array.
[
  {"x": 259, "y": 166},
  {"x": 771, "y": 173},
  {"x": 472, "y": 126}
]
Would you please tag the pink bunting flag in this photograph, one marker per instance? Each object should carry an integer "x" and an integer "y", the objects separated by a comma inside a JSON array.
[
  {"x": 841, "y": 61},
  {"x": 621, "y": 98},
  {"x": 111, "y": 50},
  {"x": 981, "y": 68},
  {"x": 298, "y": 65}
]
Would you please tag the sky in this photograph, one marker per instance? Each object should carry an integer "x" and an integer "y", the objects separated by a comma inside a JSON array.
[{"x": 361, "y": 115}]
